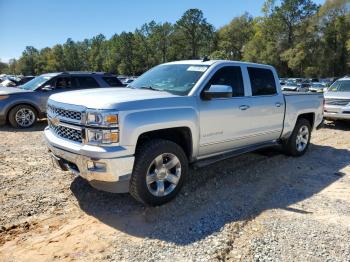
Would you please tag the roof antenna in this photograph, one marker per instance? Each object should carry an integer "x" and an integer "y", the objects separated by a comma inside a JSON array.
[{"x": 205, "y": 59}]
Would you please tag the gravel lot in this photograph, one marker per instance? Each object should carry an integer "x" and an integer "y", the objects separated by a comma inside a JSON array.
[{"x": 257, "y": 207}]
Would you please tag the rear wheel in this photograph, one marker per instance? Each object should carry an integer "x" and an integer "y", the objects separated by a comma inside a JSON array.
[
  {"x": 22, "y": 116},
  {"x": 299, "y": 141},
  {"x": 159, "y": 172}
]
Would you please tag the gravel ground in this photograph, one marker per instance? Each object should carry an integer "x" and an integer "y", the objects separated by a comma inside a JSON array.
[{"x": 260, "y": 206}]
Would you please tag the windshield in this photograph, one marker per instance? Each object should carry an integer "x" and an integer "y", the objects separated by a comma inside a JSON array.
[
  {"x": 175, "y": 78},
  {"x": 36, "y": 82},
  {"x": 340, "y": 86}
]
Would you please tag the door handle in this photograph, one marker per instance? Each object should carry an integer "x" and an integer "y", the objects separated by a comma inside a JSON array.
[
  {"x": 278, "y": 104},
  {"x": 244, "y": 107}
]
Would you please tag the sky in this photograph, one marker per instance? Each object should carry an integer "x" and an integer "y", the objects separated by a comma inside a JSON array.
[{"x": 42, "y": 23}]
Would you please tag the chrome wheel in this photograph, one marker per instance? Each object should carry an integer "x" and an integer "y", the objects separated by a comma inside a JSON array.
[
  {"x": 302, "y": 138},
  {"x": 163, "y": 174},
  {"x": 25, "y": 117}
]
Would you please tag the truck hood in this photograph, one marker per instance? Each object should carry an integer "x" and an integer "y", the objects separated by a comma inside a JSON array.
[
  {"x": 13, "y": 90},
  {"x": 337, "y": 95},
  {"x": 108, "y": 98}
]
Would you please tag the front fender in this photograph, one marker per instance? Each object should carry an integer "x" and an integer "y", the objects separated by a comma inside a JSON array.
[{"x": 136, "y": 123}]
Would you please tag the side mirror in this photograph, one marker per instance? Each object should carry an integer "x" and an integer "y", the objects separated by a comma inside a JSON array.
[
  {"x": 217, "y": 91},
  {"x": 47, "y": 88}
]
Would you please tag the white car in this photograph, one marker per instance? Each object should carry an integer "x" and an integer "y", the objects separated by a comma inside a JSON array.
[
  {"x": 317, "y": 87},
  {"x": 337, "y": 100}
]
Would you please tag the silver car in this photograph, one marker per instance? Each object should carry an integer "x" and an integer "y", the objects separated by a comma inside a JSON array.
[{"x": 337, "y": 100}]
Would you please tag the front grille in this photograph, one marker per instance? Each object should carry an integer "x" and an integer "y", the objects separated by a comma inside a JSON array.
[
  {"x": 68, "y": 114},
  {"x": 337, "y": 101},
  {"x": 67, "y": 132}
]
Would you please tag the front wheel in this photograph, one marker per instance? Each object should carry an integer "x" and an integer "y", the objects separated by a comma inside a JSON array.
[
  {"x": 160, "y": 169},
  {"x": 299, "y": 141},
  {"x": 22, "y": 116}
]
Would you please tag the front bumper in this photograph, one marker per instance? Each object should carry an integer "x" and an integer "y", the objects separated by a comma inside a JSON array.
[
  {"x": 337, "y": 112},
  {"x": 331, "y": 115},
  {"x": 113, "y": 176}
]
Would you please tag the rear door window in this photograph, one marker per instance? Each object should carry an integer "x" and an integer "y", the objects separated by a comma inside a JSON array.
[
  {"x": 87, "y": 82},
  {"x": 262, "y": 81},
  {"x": 112, "y": 81}
]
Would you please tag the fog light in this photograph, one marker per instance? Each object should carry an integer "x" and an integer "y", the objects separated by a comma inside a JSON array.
[{"x": 96, "y": 166}]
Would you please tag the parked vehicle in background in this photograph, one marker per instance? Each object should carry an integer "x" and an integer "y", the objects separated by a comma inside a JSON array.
[
  {"x": 140, "y": 139},
  {"x": 283, "y": 81},
  {"x": 337, "y": 100},
  {"x": 8, "y": 83},
  {"x": 296, "y": 87},
  {"x": 317, "y": 87},
  {"x": 23, "y": 105},
  {"x": 15, "y": 81}
]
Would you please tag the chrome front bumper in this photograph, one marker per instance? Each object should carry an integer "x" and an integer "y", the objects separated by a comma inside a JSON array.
[
  {"x": 113, "y": 176},
  {"x": 336, "y": 116},
  {"x": 337, "y": 112}
]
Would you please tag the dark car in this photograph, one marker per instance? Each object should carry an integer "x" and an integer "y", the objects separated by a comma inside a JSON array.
[{"x": 21, "y": 106}]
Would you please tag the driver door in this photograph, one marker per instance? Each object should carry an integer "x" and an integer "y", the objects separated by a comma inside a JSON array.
[
  {"x": 223, "y": 121},
  {"x": 56, "y": 85}
]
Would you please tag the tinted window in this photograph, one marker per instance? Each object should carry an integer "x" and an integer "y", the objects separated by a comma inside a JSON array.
[
  {"x": 112, "y": 81},
  {"x": 262, "y": 81},
  {"x": 231, "y": 76},
  {"x": 87, "y": 82},
  {"x": 64, "y": 82}
]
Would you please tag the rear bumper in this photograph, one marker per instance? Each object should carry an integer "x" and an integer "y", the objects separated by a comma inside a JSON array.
[{"x": 104, "y": 173}]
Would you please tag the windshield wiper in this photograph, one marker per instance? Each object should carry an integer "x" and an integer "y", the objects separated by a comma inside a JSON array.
[{"x": 150, "y": 88}]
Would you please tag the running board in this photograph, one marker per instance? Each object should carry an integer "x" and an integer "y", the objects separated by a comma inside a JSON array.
[{"x": 211, "y": 160}]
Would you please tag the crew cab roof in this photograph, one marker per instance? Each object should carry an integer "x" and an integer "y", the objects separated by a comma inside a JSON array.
[{"x": 211, "y": 62}]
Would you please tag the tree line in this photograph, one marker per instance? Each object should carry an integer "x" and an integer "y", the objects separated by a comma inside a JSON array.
[{"x": 298, "y": 37}]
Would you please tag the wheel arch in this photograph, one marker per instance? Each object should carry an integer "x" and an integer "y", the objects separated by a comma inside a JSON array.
[
  {"x": 179, "y": 135},
  {"x": 308, "y": 116}
]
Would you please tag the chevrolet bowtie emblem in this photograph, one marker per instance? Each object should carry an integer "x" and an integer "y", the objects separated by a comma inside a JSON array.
[{"x": 55, "y": 121}]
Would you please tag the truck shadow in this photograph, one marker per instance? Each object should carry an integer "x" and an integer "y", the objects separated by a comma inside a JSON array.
[{"x": 233, "y": 190}]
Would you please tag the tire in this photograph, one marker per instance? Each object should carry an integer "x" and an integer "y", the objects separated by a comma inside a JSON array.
[
  {"x": 292, "y": 145},
  {"x": 151, "y": 165},
  {"x": 22, "y": 116}
]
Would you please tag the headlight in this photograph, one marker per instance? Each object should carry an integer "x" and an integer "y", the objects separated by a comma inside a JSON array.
[
  {"x": 103, "y": 119},
  {"x": 3, "y": 97},
  {"x": 95, "y": 136}
]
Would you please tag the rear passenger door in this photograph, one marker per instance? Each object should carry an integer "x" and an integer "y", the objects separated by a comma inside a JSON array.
[{"x": 265, "y": 106}]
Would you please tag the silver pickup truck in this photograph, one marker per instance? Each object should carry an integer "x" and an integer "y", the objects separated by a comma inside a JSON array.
[{"x": 141, "y": 139}]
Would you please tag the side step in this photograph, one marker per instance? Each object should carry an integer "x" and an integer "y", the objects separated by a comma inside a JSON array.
[{"x": 211, "y": 160}]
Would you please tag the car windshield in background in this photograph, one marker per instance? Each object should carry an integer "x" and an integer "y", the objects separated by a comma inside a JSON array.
[
  {"x": 177, "y": 79},
  {"x": 340, "y": 86},
  {"x": 36, "y": 82}
]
